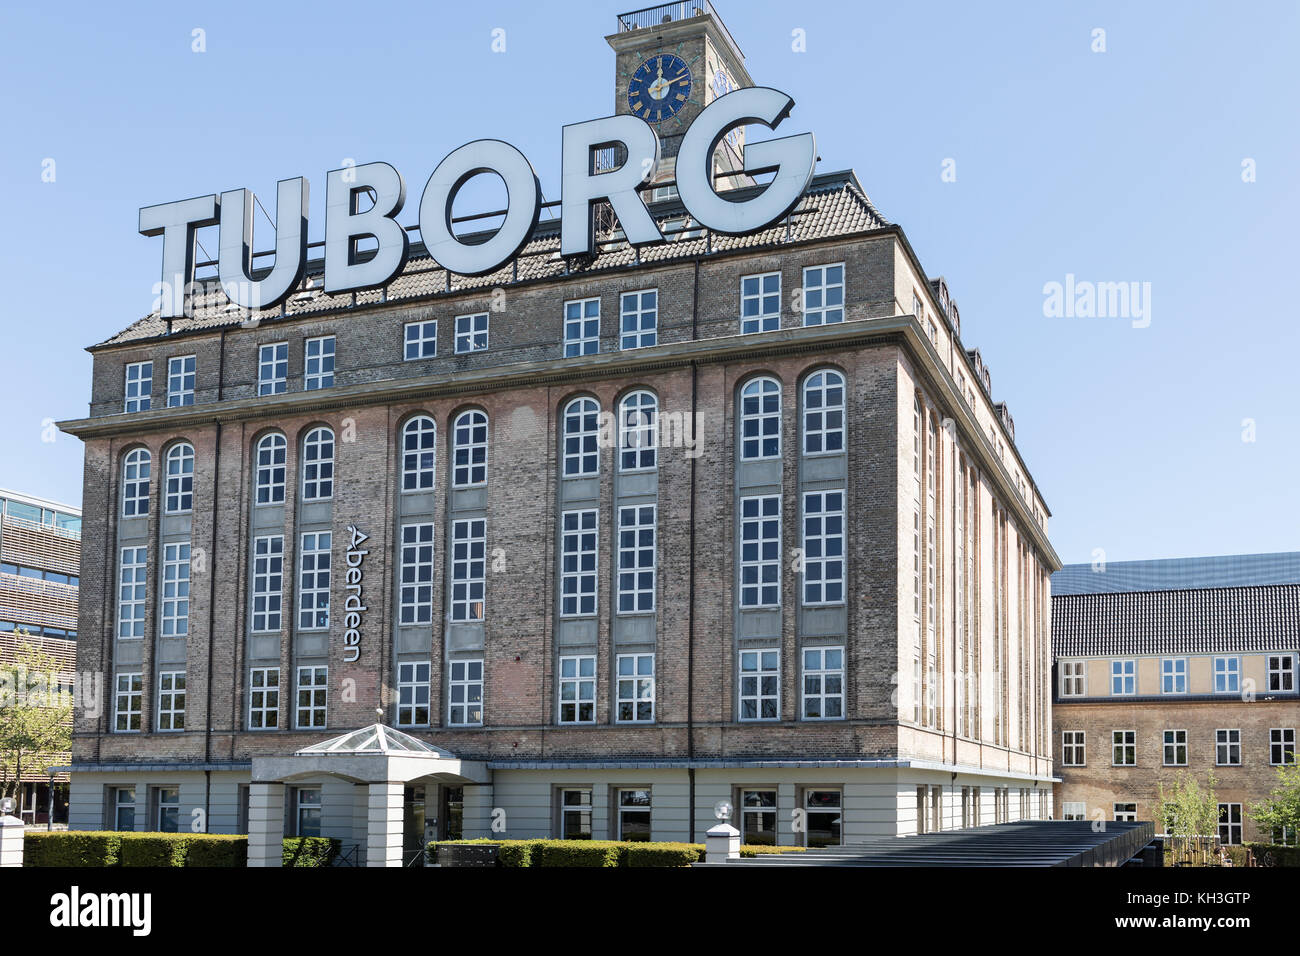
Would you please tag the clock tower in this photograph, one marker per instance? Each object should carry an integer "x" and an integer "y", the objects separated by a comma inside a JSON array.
[{"x": 670, "y": 62}]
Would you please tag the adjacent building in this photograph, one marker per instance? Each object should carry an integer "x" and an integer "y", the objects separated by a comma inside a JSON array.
[
  {"x": 40, "y": 568},
  {"x": 1175, "y": 666},
  {"x": 599, "y": 542}
]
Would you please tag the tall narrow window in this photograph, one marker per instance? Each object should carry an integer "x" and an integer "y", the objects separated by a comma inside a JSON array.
[
  {"x": 1229, "y": 823},
  {"x": 1227, "y": 748},
  {"x": 1281, "y": 745},
  {"x": 823, "y": 294},
  {"x": 1175, "y": 748},
  {"x": 760, "y": 684},
  {"x": 273, "y": 369},
  {"x": 313, "y": 688},
  {"x": 268, "y": 582},
  {"x": 176, "y": 590},
  {"x": 634, "y": 816},
  {"x": 471, "y": 333},
  {"x": 180, "y": 479},
  {"x": 465, "y": 693},
  {"x": 135, "y": 483},
  {"x": 581, "y": 438},
  {"x": 578, "y": 563},
  {"x": 318, "y": 465},
  {"x": 132, "y": 585},
  {"x": 139, "y": 386},
  {"x": 469, "y": 449},
  {"x": 169, "y": 809},
  {"x": 468, "y": 560},
  {"x": 180, "y": 381},
  {"x": 823, "y": 413},
  {"x": 636, "y": 558},
  {"x": 823, "y": 683},
  {"x": 823, "y": 547},
  {"x": 1281, "y": 672},
  {"x": 636, "y": 688},
  {"x": 1124, "y": 748},
  {"x": 581, "y": 327},
  {"x": 272, "y": 452},
  {"x": 1072, "y": 678},
  {"x": 419, "y": 451},
  {"x": 318, "y": 363},
  {"x": 760, "y": 551},
  {"x": 314, "y": 581},
  {"x": 417, "y": 574},
  {"x": 638, "y": 431},
  {"x": 578, "y": 689},
  {"x": 760, "y": 420},
  {"x": 640, "y": 317},
  {"x": 1073, "y": 748},
  {"x": 171, "y": 700},
  {"x": 264, "y": 698},
  {"x": 760, "y": 302},
  {"x": 413, "y": 694},
  {"x": 126, "y": 704},
  {"x": 758, "y": 817},
  {"x": 124, "y": 808},
  {"x": 575, "y": 814}
]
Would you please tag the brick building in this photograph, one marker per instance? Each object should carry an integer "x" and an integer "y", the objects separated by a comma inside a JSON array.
[
  {"x": 40, "y": 566},
  {"x": 1175, "y": 666},
  {"x": 724, "y": 518}
]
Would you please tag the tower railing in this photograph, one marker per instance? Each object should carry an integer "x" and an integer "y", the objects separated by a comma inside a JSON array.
[{"x": 650, "y": 17}]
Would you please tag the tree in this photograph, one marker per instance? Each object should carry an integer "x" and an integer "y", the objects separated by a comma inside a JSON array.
[
  {"x": 1280, "y": 813},
  {"x": 1189, "y": 812},
  {"x": 35, "y": 715}
]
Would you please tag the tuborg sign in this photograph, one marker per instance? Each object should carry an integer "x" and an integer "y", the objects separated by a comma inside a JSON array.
[{"x": 347, "y": 223}]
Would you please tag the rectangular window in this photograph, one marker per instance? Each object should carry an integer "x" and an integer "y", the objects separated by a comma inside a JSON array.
[
  {"x": 1073, "y": 748},
  {"x": 1230, "y": 823},
  {"x": 471, "y": 333},
  {"x": 1173, "y": 675},
  {"x": 1227, "y": 748},
  {"x": 575, "y": 814},
  {"x": 581, "y": 327},
  {"x": 823, "y": 818},
  {"x": 468, "y": 560},
  {"x": 1175, "y": 748},
  {"x": 823, "y": 294},
  {"x": 578, "y": 563},
  {"x": 1073, "y": 811},
  {"x": 176, "y": 590},
  {"x": 634, "y": 815},
  {"x": 1124, "y": 748},
  {"x": 124, "y": 808},
  {"x": 640, "y": 319},
  {"x": 758, "y": 817},
  {"x": 760, "y": 551},
  {"x": 1125, "y": 812},
  {"x": 171, "y": 700},
  {"x": 823, "y": 547},
  {"x": 421, "y": 340},
  {"x": 1073, "y": 679},
  {"x": 636, "y": 559},
  {"x": 132, "y": 583},
  {"x": 413, "y": 694},
  {"x": 1281, "y": 672},
  {"x": 578, "y": 690},
  {"x": 760, "y": 302},
  {"x": 417, "y": 574},
  {"x": 318, "y": 366},
  {"x": 314, "y": 581},
  {"x": 268, "y": 583},
  {"x": 1123, "y": 678},
  {"x": 636, "y": 688},
  {"x": 307, "y": 805},
  {"x": 169, "y": 809},
  {"x": 180, "y": 381},
  {"x": 823, "y": 683},
  {"x": 465, "y": 693},
  {"x": 1281, "y": 745},
  {"x": 312, "y": 697},
  {"x": 264, "y": 698},
  {"x": 139, "y": 386},
  {"x": 273, "y": 369},
  {"x": 1227, "y": 675},
  {"x": 760, "y": 684},
  {"x": 127, "y": 700}
]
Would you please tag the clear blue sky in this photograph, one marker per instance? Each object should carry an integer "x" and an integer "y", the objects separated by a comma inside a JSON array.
[{"x": 1117, "y": 166}]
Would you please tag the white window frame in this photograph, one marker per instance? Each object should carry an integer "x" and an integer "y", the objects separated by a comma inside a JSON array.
[
  {"x": 577, "y": 679},
  {"x": 179, "y": 498},
  {"x": 820, "y": 534},
  {"x": 626, "y": 809},
  {"x": 644, "y": 320},
  {"x": 1281, "y": 666},
  {"x": 823, "y": 666},
  {"x": 1226, "y": 743},
  {"x": 414, "y": 693},
  {"x": 461, "y": 678},
  {"x": 579, "y": 337},
  {"x": 137, "y": 473},
  {"x": 315, "y": 573},
  {"x": 1074, "y": 744},
  {"x": 763, "y": 319},
  {"x": 1074, "y": 671},
  {"x": 415, "y": 574},
  {"x": 581, "y": 807},
  {"x": 137, "y": 392},
  {"x": 1231, "y": 827},
  {"x": 264, "y": 698},
  {"x": 580, "y": 438},
  {"x": 132, "y": 591},
  {"x": 181, "y": 381},
  {"x": 638, "y": 558},
  {"x": 271, "y": 474},
  {"x": 1230, "y": 671},
  {"x": 174, "y": 606},
  {"x": 757, "y": 389},
  {"x": 1280, "y": 739},
  {"x": 635, "y": 680},
  {"x": 317, "y": 376},
  {"x": 425, "y": 337},
  {"x": 1127, "y": 745},
  {"x": 419, "y": 454},
  {"x": 171, "y": 701},
  {"x": 826, "y": 313},
  {"x": 579, "y": 544},
  {"x": 638, "y": 432},
  {"x": 119, "y": 805},
  {"x": 809, "y": 811},
  {"x": 469, "y": 330},
  {"x": 468, "y": 570},
  {"x": 317, "y": 687},
  {"x": 823, "y": 424},
  {"x": 166, "y": 802},
  {"x": 755, "y": 679},
  {"x": 1170, "y": 747},
  {"x": 128, "y": 701},
  {"x": 465, "y": 439},
  {"x": 761, "y": 552},
  {"x": 1173, "y": 671},
  {"x": 273, "y": 369},
  {"x": 318, "y": 464},
  {"x": 1074, "y": 810},
  {"x": 307, "y": 799},
  {"x": 1125, "y": 812},
  {"x": 266, "y": 610},
  {"x": 1123, "y": 674}
]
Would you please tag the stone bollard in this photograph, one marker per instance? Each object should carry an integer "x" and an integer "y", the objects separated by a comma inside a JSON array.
[
  {"x": 11, "y": 841},
  {"x": 722, "y": 843}
]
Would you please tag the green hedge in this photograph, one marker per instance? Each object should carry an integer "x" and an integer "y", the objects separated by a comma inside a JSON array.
[
  {"x": 598, "y": 853},
  {"x": 219, "y": 849},
  {"x": 664, "y": 854},
  {"x": 762, "y": 849},
  {"x": 76, "y": 848},
  {"x": 1281, "y": 855},
  {"x": 310, "y": 851},
  {"x": 155, "y": 849},
  {"x": 93, "y": 848}
]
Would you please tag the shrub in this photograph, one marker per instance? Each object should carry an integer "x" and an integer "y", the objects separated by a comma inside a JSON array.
[
  {"x": 1275, "y": 854},
  {"x": 664, "y": 854},
  {"x": 590, "y": 853},
  {"x": 218, "y": 849},
  {"x": 760, "y": 849},
  {"x": 310, "y": 851},
  {"x": 155, "y": 849},
  {"x": 77, "y": 848}
]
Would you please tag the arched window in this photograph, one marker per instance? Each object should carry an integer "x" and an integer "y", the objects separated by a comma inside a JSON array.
[
  {"x": 760, "y": 420},
  {"x": 638, "y": 432},
  {"x": 180, "y": 479},
  {"x": 581, "y": 438},
  {"x": 469, "y": 449},
  {"x": 135, "y": 482},
  {"x": 823, "y": 413},
  {"x": 318, "y": 465},
  {"x": 419, "y": 447},
  {"x": 271, "y": 454}
]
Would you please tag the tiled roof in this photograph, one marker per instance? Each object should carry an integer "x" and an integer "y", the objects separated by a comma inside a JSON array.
[
  {"x": 1194, "y": 621},
  {"x": 1160, "y": 574},
  {"x": 834, "y": 205}
]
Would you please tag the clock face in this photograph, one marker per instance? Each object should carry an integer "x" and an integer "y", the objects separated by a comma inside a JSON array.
[{"x": 659, "y": 88}]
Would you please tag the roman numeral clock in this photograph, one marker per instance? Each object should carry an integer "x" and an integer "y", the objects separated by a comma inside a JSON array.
[{"x": 659, "y": 88}]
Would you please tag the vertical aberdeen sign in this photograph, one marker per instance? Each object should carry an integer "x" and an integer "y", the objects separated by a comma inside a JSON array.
[
  {"x": 791, "y": 159},
  {"x": 354, "y": 604}
]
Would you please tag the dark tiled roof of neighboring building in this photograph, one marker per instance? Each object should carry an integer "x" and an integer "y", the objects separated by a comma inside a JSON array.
[
  {"x": 1193, "y": 621},
  {"x": 1162, "y": 574},
  {"x": 834, "y": 205}
]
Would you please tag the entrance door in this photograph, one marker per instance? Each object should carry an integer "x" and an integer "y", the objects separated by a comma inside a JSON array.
[
  {"x": 453, "y": 812},
  {"x": 412, "y": 822}
]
